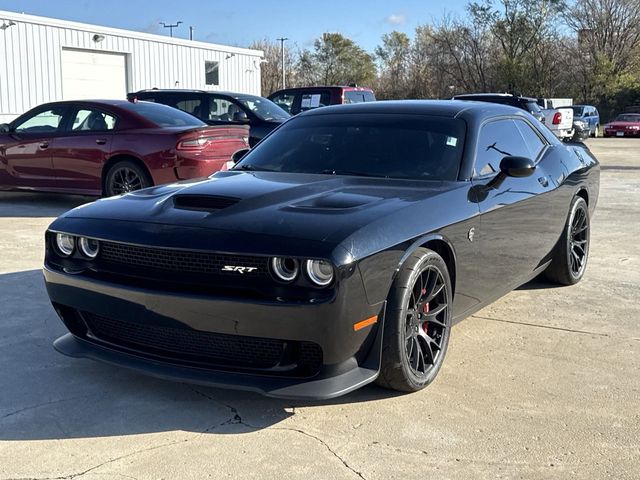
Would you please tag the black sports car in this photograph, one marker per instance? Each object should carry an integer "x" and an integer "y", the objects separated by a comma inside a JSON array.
[{"x": 338, "y": 252}]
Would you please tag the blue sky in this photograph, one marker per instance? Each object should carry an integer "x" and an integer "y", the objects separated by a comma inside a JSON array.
[{"x": 241, "y": 22}]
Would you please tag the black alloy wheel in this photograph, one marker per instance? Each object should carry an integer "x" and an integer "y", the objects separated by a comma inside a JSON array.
[
  {"x": 125, "y": 177},
  {"x": 417, "y": 323},
  {"x": 579, "y": 241},
  {"x": 570, "y": 256},
  {"x": 426, "y": 321}
]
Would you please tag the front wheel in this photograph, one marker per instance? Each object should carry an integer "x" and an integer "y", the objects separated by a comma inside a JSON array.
[
  {"x": 571, "y": 253},
  {"x": 417, "y": 323},
  {"x": 596, "y": 132}
]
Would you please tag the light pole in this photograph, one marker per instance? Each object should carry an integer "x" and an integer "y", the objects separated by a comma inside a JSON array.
[
  {"x": 171, "y": 26},
  {"x": 191, "y": 29},
  {"x": 282, "y": 40}
]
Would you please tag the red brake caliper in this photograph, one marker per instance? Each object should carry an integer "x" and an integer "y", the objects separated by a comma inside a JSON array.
[{"x": 425, "y": 309}]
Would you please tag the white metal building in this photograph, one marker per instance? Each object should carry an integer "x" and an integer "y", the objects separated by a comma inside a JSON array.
[{"x": 44, "y": 59}]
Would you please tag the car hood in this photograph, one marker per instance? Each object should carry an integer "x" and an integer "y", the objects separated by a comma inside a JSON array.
[
  {"x": 325, "y": 208},
  {"x": 623, "y": 124}
]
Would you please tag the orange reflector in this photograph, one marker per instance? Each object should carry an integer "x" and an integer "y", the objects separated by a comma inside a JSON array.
[{"x": 365, "y": 323}]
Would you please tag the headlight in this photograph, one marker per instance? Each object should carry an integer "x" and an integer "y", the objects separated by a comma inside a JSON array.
[
  {"x": 89, "y": 247},
  {"x": 65, "y": 243},
  {"x": 320, "y": 272},
  {"x": 285, "y": 269}
]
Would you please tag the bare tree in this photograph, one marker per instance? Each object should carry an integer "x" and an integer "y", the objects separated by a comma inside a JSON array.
[
  {"x": 608, "y": 29},
  {"x": 271, "y": 70}
]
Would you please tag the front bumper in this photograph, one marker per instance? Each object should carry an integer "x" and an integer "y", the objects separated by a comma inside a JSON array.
[
  {"x": 621, "y": 132},
  {"x": 350, "y": 359}
]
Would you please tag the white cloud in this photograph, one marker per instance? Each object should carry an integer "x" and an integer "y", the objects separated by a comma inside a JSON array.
[{"x": 396, "y": 19}]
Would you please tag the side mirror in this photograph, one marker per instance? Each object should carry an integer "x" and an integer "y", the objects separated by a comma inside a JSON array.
[
  {"x": 517, "y": 166},
  {"x": 240, "y": 117},
  {"x": 239, "y": 155},
  {"x": 4, "y": 128}
]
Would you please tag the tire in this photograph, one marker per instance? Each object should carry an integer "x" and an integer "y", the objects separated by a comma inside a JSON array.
[
  {"x": 417, "y": 323},
  {"x": 596, "y": 132},
  {"x": 125, "y": 176},
  {"x": 571, "y": 253}
]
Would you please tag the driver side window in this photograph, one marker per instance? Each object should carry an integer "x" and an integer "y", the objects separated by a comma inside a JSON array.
[
  {"x": 497, "y": 140},
  {"x": 43, "y": 122}
]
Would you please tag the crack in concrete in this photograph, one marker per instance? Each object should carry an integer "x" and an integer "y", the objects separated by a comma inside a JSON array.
[
  {"x": 550, "y": 327},
  {"x": 237, "y": 420},
  {"x": 73, "y": 476},
  {"x": 39, "y": 405}
]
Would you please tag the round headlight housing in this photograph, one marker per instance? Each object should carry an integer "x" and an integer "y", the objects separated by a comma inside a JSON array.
[
  {"x": 285, "y": 269},
  {"x": 320, "y": 272},
  {"x": 89, "y": 247},
  {"x": 65, "y": 244}
]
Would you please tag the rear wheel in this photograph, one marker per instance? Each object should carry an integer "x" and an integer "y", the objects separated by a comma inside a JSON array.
[
  {"x": 570, "y": 255},
  {"x": 124, "y": 177},
  {"x": 417, "y": 323},
  {"x": 596, "y": 132}
]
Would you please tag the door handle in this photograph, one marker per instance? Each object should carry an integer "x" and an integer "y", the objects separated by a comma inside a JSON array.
[
  {"x": 44, "y": 145},
  {"x": 544, "y": 181},
  {"x": 101, "y": 141}
]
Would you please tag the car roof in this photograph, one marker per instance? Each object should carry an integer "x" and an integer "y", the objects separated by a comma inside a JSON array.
[
  {"x": 97, "y": 102},
  {"x": 324, "y": 87},
  {"x": 186, "y": 90},
  {"x": 442, "y": 108},
  {"x": 494, "y": 95}
]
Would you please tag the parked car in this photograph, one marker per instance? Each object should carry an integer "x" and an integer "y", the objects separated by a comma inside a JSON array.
[
  {"x": 624, "y": 125},
  {"x": 221, "y": 108},
  {"x": 560, "y": 122},
  {"x": 589, "y": 115},
  {"x": 581, "y": 130},
  {"x": 109, "y": 147},
  {"x": 528, "y": 104},
  {"x": 338, "y": 251},
  {"x": 296, "y": 100}
]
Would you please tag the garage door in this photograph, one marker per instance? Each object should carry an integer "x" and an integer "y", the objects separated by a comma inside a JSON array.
[{"x": 89, "y": 74}]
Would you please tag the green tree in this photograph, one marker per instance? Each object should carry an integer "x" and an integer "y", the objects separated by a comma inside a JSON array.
[
  {"x": 336, "y": 60},
  {"x": 393, "y": 57}
]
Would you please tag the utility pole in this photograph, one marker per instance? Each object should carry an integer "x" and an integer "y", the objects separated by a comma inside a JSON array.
[
  {"x": 282, "y": 40},
  {"x": 191, "y": 29},
  {"x": 171, "y": 26}
]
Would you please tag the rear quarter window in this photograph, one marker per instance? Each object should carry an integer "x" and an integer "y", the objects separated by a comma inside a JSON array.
[{"x": 163, "y": 115}]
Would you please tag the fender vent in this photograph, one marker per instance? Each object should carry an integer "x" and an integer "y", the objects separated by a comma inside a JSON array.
[{"x": 204, "y": 203}]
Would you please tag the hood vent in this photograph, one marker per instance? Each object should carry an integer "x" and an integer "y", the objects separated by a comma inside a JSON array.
[{"x": 203, "y": 203}]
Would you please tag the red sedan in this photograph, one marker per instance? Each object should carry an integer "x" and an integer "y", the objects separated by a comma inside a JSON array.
[
  {"x": 110, "y": 147},
  {"x": 625, "y": 125}
]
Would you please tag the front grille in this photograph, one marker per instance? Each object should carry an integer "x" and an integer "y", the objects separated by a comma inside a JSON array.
[
  {"x": 180, "y": 260},
  {"x": 183, "y": 344}
]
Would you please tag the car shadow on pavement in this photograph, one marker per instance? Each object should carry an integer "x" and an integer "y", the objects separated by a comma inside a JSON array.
[
  {"x": 18, "y": 204},
  {"x": 45, "y": 395}
]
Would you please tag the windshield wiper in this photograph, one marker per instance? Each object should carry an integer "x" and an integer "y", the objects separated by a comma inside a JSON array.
[{"x": 351, "y": 172}]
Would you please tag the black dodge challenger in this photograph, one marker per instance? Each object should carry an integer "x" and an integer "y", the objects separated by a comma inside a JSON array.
[{"x": 340, "y": 251}]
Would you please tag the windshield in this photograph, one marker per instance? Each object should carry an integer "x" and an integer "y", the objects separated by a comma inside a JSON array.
[
  {"x": 578, "y": 111},
  {"x": 263, "y": 108},
  {"x": 628, "y": 118},
  {"x": 374, "y": 145},
  {"x": 164, "y": 116},
  {"x": 533, "y": 107}
]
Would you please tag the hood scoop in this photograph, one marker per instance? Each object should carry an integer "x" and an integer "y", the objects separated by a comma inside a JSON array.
[
  {"x": 336, "y": 201},
  {"x": 203, "y": 203}
]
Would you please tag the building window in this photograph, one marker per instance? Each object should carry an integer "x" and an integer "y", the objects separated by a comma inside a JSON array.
[{"x": 211, "y": 71}]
